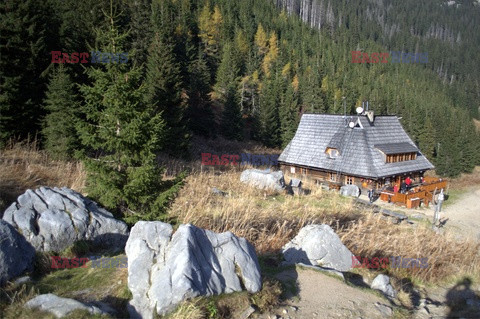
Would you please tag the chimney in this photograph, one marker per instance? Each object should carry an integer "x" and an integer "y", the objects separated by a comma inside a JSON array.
[{"x": 370, "y": 116}]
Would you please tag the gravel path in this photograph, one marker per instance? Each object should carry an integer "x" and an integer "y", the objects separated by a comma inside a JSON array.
[{"x": 464, "y": 214}]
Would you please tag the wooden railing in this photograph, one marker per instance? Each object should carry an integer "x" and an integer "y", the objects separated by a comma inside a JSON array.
[{"x": 419, "y": 193}]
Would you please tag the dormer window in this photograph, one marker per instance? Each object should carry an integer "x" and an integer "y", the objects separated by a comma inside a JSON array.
[
  {"x": 397, "y": 152},
  {"x": 332, "y": 153},
  {"x": 393, "y": 158}
]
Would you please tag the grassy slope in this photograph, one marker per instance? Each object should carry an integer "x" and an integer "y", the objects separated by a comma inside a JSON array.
[{"x": 266, "y": 219}]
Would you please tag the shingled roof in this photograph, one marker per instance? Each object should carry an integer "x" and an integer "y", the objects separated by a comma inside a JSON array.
[{"x": 360, "y": 147}]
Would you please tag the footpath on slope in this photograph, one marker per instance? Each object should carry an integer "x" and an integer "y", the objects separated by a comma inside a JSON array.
[{"x": 317, "y": 295}]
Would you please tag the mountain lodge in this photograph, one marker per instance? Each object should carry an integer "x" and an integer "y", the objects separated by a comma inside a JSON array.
[{"x": 372, "y": 152}]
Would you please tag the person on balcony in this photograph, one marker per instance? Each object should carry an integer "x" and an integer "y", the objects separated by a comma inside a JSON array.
[
  {"x": 403, "y": 188},
  {"x": 408, "y": 183}
]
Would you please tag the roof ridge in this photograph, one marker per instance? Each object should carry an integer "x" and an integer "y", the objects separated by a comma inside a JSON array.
[{"x": 363, "y": 115}]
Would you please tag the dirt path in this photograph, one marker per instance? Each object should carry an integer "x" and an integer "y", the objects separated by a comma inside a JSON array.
[
  {"x": 320, "y": 296},
  {"x": 464, "y": 214},
  {"x": 314, "y": 294}
]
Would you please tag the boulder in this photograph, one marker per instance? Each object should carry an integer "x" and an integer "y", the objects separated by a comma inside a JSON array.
[
  {"x": 382, "y": 283},
  {"x": 263, "y": 179},
  {"x": 165, "y": 269},
  {"x": 350, "y": 190},
  {"x": 318, "y": 245},
  {"x": 52, "y": 219},
  {"x": 216, "y": 191},
  {"x": 60, "y": 307},
  {"x": 16, "y": 254}
]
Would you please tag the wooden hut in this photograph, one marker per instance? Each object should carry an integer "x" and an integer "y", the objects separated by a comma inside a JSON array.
[{"x": 372, "y": 152}]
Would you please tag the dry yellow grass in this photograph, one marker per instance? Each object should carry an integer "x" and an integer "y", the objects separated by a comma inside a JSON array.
[
  {"x": 269, "y": 220},
  {"x": 266, "y": 219},
  {"x": 464, "y": 181},
  {"x": 447, "y": 256},
  {"x": 23, "y": 166},
  {"x": 188, "y": 310}
]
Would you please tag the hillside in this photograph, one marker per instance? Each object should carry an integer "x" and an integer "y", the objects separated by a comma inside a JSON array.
[
  {"x": 119, "y": 101},
  {"x": 268, "y": 220},
  {"x": 248, "y": 70}
]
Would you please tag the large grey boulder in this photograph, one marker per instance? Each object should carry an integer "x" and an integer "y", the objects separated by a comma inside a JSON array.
[
  {"x": 16, "y": 254},
  {"x": 263, "y": 179},
  {"x": 51, "y": 219},
  {"x": 382, "y": 283},
  {"x": 60, "y": 307},
  {"x": 318, "y": 245},
  {"x": 350, "y": 190},
  {"x": 164, "y": 269}
]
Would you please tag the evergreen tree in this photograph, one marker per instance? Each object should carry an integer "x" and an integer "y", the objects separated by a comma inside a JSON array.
[
  {"x": 199, "y": 113},
  {"x": 228, "y": 72},
  {"x": 140, "y": 13},
  {"x": 426, "y": 139},
  {"x": 289, "y": 108},
  {"x": 164, "y": 84},
  {"x": 232, "y": 126},
  {"x": 269, "y": 113},
  {"x": 312, "y": 93},
  {"x": 61, "y": 103},
  {"x": 121, "y": 135},
  {"x": 27, "y": 34}
]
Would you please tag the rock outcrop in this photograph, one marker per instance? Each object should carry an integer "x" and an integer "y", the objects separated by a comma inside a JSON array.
[
  {"x": 350, "y": 190},
  {"x": 16, "y": 254},
  {"x": 164, "y": 269},
  {"x": 60, "y": 307},
  {"x": 318, "y": 245},
  {"x": 52, "y": 219},
  {"x": 263, "y": 179},
  {"x": 382, "y": 283}
]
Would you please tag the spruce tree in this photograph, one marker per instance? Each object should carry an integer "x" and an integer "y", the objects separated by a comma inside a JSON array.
[
  {"x": 59, "y": 132},
  {"x": 140, "y": 13},
  {"x": 199, "y": 113},
  {"x": 228, "y": 71},
  {"x": 289, "y": 108},
  {"x": 269, "y": 112},
  {"x": 312, "y": 93},
  {"x": 232, "y": 125},
  {"x": 164, "y": 83},
  {"x": 121, "y": 135},
  {"x": 28, "y": 31},
  {"x": 426, "y": 139}
]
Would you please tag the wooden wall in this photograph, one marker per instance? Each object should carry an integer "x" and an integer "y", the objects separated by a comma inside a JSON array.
[{"x": 363, "y": 183}]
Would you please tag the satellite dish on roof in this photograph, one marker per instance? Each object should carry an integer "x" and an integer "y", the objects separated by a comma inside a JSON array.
[
  {"x": 359, "y": 110},
  {"x": 351, "y": 124}
]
